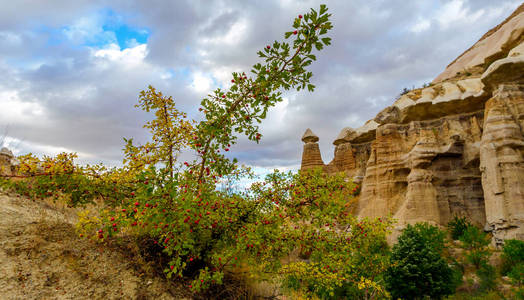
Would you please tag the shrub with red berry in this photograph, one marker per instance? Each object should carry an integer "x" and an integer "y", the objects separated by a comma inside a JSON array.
[{"x": 206, "y": 231}]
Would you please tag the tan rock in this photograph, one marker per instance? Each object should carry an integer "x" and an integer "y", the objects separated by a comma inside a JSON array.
[
  {"x": 311, "y": 157},
  {"x": 502, "y": 162},
  {"x": 309, "y": 137},
  {"x": 344, "y": 136},
  {"x": 492, "y": 46},
  {"x": 519, "y": 50},
  {"x": 8, "y": 162},
  {"x": 506, "y": 70},
  {"x": 390, "y": 114}
]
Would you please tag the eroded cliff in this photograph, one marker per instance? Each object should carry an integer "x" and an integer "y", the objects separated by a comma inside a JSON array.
[{"x": 453, "y": 148}]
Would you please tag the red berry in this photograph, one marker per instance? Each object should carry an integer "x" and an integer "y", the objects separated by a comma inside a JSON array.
[
  {"x": 132, "y": 193},
  {"x": 295, "y": 32},
  {"x": 172, "y": 267},
  {"x": 123, "y": 210},
  {"x": 137, "y": 204},
  {"x": 300, "y": 16},
  {"x": 100, "y": 231},
  {"x": 233, "y": 80},
  {"x": 114, "y": 224},
  {"x": 147, "y": 204},
  {"x": 269, "y": 47},
  {"x": 223, "y": 96}
]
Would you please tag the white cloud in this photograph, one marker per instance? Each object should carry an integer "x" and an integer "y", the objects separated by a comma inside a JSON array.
[
  {"x": 201, "y": 83},
  {"x": 421, "y": 25},
  {"x": 14, "y": 110},
  {"x": 455, "y": 12},
  {"x": 127, "y": 58},
  {"x": 234, "y": 36}
]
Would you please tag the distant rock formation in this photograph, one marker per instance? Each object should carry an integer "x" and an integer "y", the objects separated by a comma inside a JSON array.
[
  {"x": 453, "y": 148},
  {"x": 8, "y": 162}
]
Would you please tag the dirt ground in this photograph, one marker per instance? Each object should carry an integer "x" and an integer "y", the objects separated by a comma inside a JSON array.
[{"x": 42, "y": 257}]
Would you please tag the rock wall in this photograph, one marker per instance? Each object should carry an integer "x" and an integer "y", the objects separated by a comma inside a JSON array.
[{"x": 455, "y": 148}]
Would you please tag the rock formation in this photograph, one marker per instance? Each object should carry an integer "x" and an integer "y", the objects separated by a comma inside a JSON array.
[
  {"x": 8, "y": 162},
  {"x": 455, "y": 148}
]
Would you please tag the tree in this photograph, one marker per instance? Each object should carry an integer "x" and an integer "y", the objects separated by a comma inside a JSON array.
[
  {"x": 418, "y": 268},
  {"x": 170, "y": 133}
]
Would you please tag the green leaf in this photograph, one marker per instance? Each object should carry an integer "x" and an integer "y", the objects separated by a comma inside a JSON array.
[{"x": 323, "y": 9}]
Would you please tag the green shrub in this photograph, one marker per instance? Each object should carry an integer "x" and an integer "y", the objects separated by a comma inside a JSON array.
[
  {"x": 512, "y": 255},
  {"x": 475, "y": 242},
  {"x": 457, "y": 226},
  {"x": 418, "y": 268},
  {"x": 482, "y": 296},
  {"x": 487, "y": 275}
]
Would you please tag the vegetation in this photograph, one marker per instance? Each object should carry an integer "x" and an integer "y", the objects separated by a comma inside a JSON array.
[
  {"x": 457, "y": 226},
  {"x": 475, "y": 243},
  {"x": 418, "y": 268},
  {"x": 297, "y": 231}
]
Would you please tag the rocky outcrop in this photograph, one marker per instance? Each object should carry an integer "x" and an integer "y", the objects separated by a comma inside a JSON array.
[
  {"x": 454, "y": 148},
  {"x": 311, "y": 157},
  {"x": 8, "y": 162},
  {"x": 495, "y": 44}
]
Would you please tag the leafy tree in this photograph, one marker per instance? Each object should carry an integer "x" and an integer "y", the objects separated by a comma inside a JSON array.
[
  {"x": 170, "y": 132},
  {"x": 418, "y": 268}
]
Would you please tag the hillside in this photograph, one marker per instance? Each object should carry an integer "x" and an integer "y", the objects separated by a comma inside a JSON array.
[{"x": 41, "y": 257}]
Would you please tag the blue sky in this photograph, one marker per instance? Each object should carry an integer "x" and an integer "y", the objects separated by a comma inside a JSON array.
[{"x": 72, "y": 70}]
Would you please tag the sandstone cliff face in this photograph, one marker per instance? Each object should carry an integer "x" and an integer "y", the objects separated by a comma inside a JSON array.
[{"x": 455, "y": 148}]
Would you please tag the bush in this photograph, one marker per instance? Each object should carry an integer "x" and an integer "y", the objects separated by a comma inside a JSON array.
[
  {"x": 418, "y": 268},
  {"x": 512, "y": 255},
  {"x": 458, "y": 226},
  {"x": 476, "y": 242},
  {"x": 487, "y": 276}
]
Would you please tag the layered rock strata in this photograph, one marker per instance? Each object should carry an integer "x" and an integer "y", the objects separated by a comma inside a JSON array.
[{"x": 455, "y": 148}]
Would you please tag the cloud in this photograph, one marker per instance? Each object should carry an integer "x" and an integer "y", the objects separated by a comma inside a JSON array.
[{"x": 72, "y": 70}]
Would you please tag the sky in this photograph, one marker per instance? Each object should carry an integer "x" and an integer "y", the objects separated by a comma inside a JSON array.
[{"x": 71, "y": 71}]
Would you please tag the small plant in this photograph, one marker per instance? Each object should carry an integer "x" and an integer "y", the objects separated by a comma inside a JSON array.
[{"x": 458, "y": 226}]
